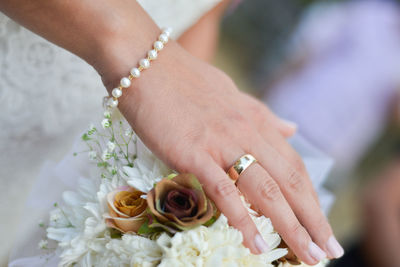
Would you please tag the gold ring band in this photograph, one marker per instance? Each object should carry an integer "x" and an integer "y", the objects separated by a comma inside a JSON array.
[{"x": 240, "y": 166}]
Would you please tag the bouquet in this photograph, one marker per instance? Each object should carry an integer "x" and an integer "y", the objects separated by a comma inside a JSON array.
[{"x": 132, "y": 210}]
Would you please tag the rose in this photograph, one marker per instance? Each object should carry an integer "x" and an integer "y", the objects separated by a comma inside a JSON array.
[
  {"x": 126, "y": 209},
  {"x": 179, "y": 203},
  {"x": 290, "y": 257}
]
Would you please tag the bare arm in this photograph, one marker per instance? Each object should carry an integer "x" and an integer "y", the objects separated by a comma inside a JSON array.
[{"x": 90, "y": 29}]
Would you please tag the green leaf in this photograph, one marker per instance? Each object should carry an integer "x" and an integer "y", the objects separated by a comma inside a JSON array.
[
  {"x": 172, "y": 175},
  {"x": 85, "y": 137},
  {"x": 210, "y": 221},
  {"x": 103, "y": 164},
  {"x": 115, "y": 233},
  {"x": 146, "y": 230}
]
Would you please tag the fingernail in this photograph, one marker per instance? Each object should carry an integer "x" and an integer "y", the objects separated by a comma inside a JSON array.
[
  {"x": 315, "y": 252},
  {"x": 335, "y": 250},
  {"x": 290, "y": 124},
  {"x": 260, "y": 243}
]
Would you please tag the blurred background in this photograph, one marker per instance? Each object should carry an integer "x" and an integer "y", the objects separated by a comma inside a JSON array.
[{"x": 333, "y": 67}]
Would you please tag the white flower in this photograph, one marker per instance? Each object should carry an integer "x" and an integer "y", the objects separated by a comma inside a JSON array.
[
  {"x": 323, "y": 263},
  {"x": 112, "y": 169},
  {"x": 147, "y": 169},
  {"x": 106, "y": 123},
  {"x": 92, "y": 155},
  {"x": 107, "y": 114},
  {"x": 43, "y": 244},
  {"x": 91, "y": 129},
  {"x": 55, "y": 216},
  {"x": 110, "y": 146},
  {"x": 128, "y": 132},
  {"x": 106, "y": 155},
  {"x": 218, "y": 245}
]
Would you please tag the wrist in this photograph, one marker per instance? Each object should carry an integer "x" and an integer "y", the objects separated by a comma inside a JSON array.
[
  {"x": 127, "y": 83},
  {"x": 120, "y": 48}
]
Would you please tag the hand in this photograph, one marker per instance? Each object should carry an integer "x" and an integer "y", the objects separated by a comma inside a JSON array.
[
  {"x": 193, "y": 117},
  {"x": 382, "y": 219}
]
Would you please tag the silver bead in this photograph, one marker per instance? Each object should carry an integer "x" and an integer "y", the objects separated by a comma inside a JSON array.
[
  {"x": 135, "y": 72},
  {"x": 112, "y": 103},
  {"x": 145, "y": 63},
  {"x": 152, "y": 54},
  {"x": 163, "y": 38},
  {"x": 116, "y": 92},
  {"x": 125, "y": 82},
  {"x": 158, "y": 45}
]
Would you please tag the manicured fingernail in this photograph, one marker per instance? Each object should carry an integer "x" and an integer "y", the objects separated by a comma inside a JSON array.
[
  {"x": 260, "y": 243},
  {"x": 290, "y": 124},
  {"x": 315, "y": 252},
  {"x": 335, "y": 250}
]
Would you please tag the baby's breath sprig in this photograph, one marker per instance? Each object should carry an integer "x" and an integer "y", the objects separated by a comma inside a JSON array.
[{"x": 110, "y": 148}]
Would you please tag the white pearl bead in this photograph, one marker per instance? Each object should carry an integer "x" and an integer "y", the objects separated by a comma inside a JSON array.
[
  {"x": 163, "y": 38},
  {"x": 112, "y": 103},
  {"x": 125, "y": 82},
  {"x": 158, "y": 45},
  {"x": 135, "y": 72},
  {"x": 116, "y": 92},
  {"x": 167, "y": 31},
  {"x": 152, "y": 54},
  {"x": 145, "y": 63}
]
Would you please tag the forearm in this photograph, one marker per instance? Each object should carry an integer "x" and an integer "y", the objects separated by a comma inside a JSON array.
[
  {"x": 204, "y": 32},
  {"x": 91, "y": 29}
]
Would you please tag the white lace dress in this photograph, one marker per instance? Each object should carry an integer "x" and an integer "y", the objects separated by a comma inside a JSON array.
[{"x": 48, "y": 96}]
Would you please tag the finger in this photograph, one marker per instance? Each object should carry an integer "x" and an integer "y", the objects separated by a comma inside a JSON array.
[
  {"x": 295, "y": 187},
  {"x": 260, "y": 113},
  {"x": 285, "y": 127},
  {"x": 279, "y": 143},
  {"x": 225, "y": 195},
  {"x": 262, "y": 191}
]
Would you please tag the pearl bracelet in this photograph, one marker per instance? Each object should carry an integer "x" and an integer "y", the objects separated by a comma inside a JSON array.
[{"x": 112, "y": 101}]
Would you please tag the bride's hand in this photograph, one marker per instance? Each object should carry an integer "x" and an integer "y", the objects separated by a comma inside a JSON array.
[{"x": 193, "y": 117}]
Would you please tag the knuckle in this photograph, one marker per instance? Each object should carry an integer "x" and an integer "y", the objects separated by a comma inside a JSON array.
[
  {"x": 295, "y": 181},
  {"x": 298, "y": 164},
  {"x": 259, "y": 111},
  {"x": 225, "y": 188},
  {"x": 269, "y": 189},
  {"x": 242, "y": 221},
  {"x": 185, "y": 158},
  {"x": 295, "y": 228},
  {"x": 221, "y": 129},
  {"x": 296, "y": 232},
  {"x": 322, "y": 225},
  {"x": 198, "y": 135},
  {"x": 239, "y": 119}
]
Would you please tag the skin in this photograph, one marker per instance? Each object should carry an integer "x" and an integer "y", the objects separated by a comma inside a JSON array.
[
  {"x": 382, "y": 218},
  {"x": 189, "y": 113}
]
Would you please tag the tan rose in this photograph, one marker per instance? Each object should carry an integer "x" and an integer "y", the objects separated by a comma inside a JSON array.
[
  {"x": 126, "y": 209},
  {"x": 290, "y": 257},
  {"x": 179, "y": 203}
]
